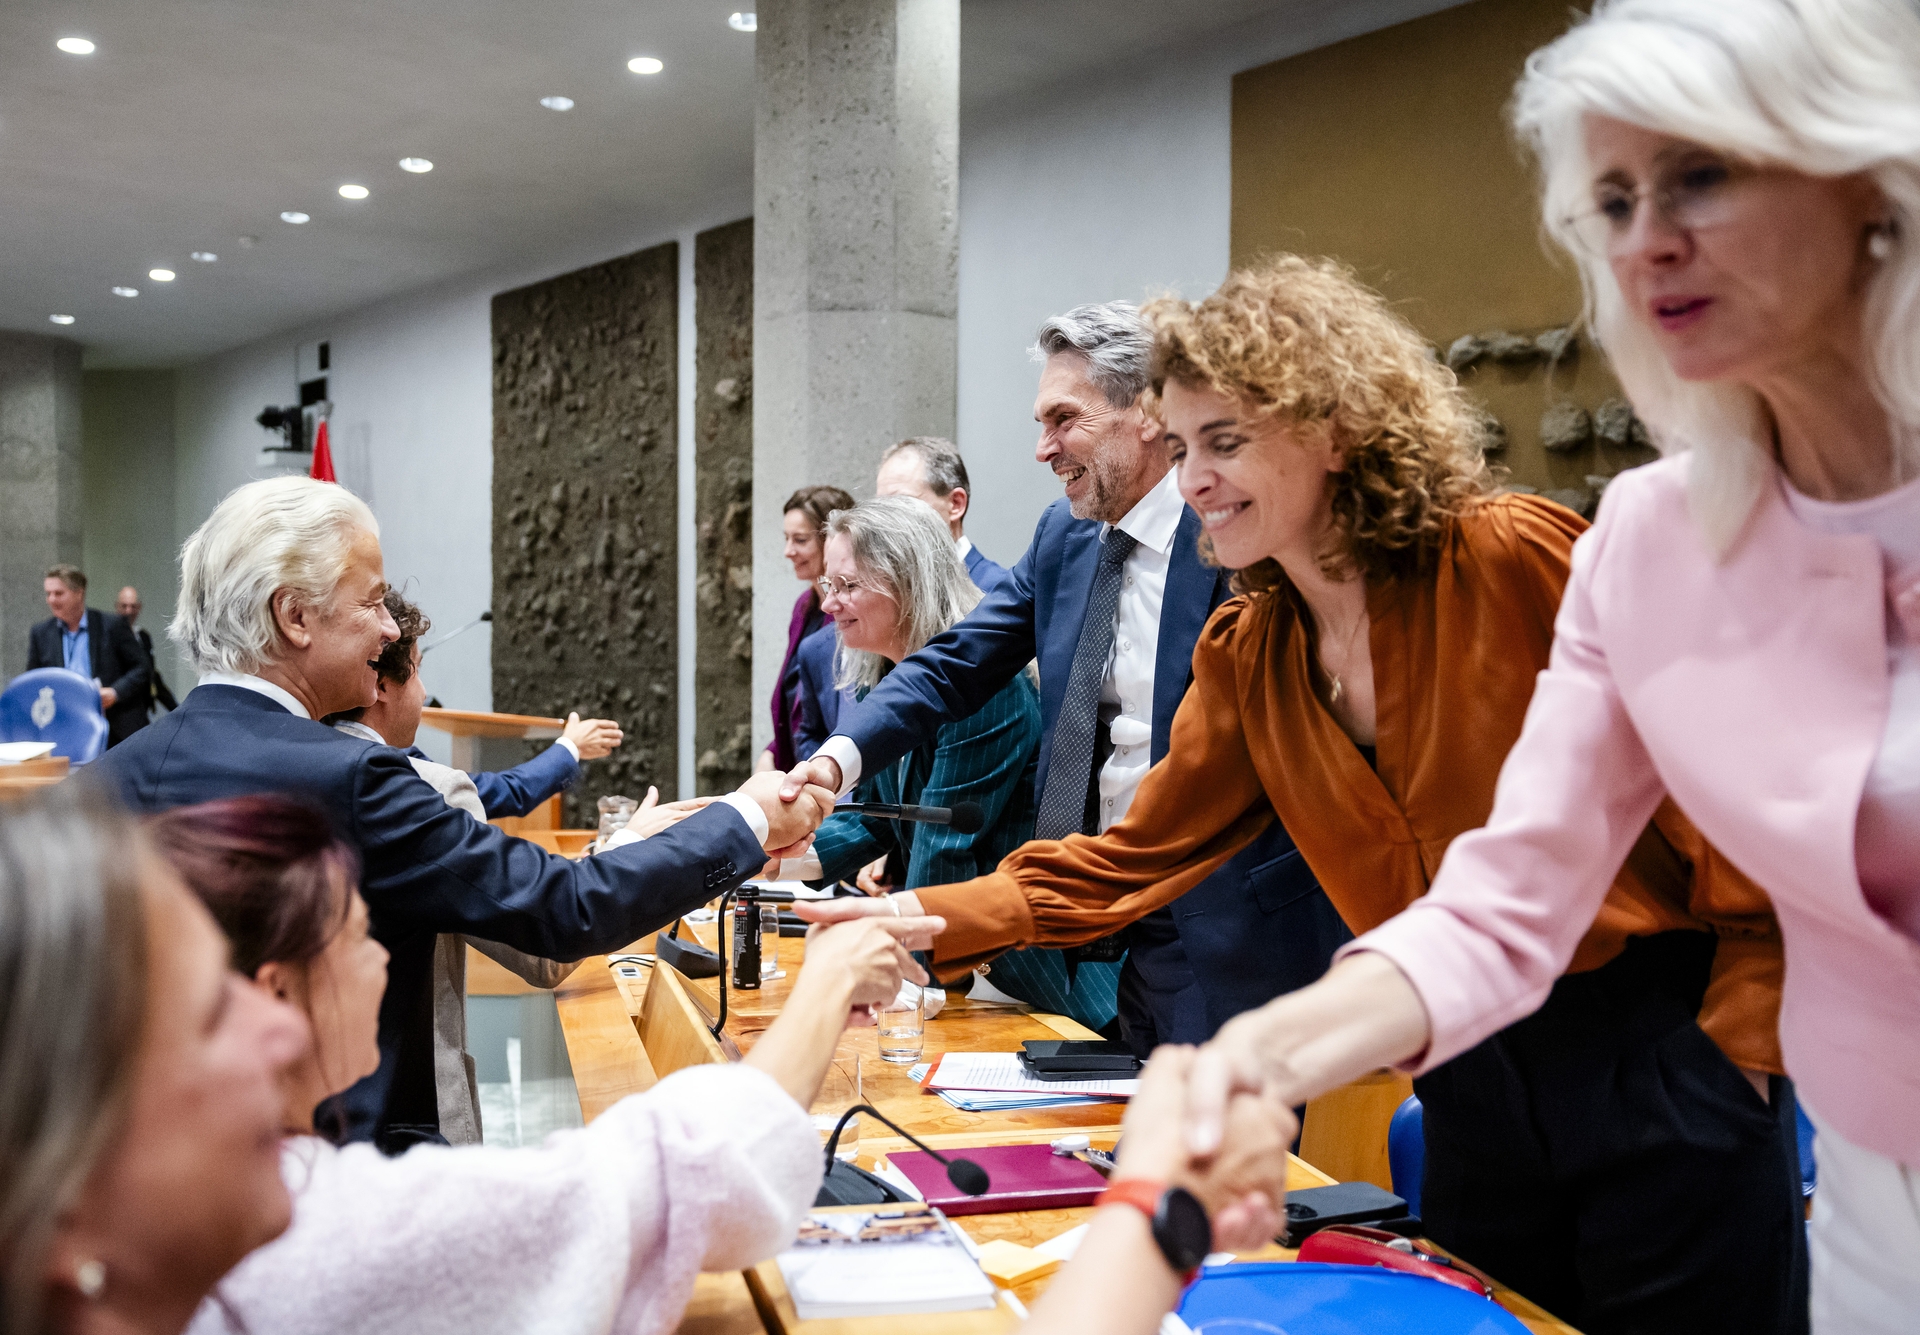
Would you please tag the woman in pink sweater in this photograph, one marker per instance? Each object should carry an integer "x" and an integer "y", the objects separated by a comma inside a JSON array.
[{"x": 1740, "y": 186}]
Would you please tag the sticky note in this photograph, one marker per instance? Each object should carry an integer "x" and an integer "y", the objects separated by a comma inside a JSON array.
[{"x": 1009, "y": 1264}]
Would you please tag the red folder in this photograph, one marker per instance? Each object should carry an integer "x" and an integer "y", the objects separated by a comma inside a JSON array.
[{"x": 1024, "y": 1177}]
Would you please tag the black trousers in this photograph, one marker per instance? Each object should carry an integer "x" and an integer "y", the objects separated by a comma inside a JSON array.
[{"x": 1606, "y": 1159}]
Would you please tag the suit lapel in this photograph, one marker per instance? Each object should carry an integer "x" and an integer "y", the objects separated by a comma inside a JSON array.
[
  {"x": 97, "y": 644},
  {"x": 1193, "y": 591}
]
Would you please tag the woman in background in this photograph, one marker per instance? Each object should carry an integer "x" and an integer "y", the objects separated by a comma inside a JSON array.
[
  {"x": 140, "y": 1098},
  {"x": 804, "y": 523},
  {"x": 599, "y": 1229},
  {"x": 894, "y": 580}
]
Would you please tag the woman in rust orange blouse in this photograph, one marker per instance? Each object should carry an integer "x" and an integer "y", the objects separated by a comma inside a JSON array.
[{"x": 1606, "y": 1156}]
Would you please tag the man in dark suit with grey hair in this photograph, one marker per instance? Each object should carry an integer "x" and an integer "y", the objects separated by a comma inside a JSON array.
[{"x": 97, "y": 645}]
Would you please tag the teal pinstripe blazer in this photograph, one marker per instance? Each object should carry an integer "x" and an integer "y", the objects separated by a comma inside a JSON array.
[{"x": 988, "y": 757}]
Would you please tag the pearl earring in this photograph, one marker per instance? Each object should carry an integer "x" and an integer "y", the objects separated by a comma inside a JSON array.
[
  {"x": 1880, "y": 241},
  {"x": 91, "y": 1277}
]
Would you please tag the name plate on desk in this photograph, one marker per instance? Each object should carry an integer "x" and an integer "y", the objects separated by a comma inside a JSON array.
[{"x": 1023, "y": 1177}]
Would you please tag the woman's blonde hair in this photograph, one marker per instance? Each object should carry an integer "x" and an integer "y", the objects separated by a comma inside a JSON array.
[
  {"x": 909, "y": 551},
  {"x": 1305, "y": 342},
  {"x": 1823, "y": 87}
]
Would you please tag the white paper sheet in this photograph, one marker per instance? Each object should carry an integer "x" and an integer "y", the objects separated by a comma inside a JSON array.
[{"x": 1000, "y": 1072}]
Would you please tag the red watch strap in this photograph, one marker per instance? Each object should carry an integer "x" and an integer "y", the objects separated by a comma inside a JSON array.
[{"x": 1141, "y": 1194}]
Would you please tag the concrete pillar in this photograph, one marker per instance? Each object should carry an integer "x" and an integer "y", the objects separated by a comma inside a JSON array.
[
  {"x": 40, "y": 498},
  {"x": 856, "y": 258}
]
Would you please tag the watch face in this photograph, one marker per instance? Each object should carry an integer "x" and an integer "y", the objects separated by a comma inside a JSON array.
[{"x": 1182, "y": 1230}]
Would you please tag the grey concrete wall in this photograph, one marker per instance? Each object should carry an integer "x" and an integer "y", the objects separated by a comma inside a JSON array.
[
  {"x": 585, "y": 567},
  {"x": 723, "y": 506},
  {"x": 40, "y": 489},
  {"x": 127, "y": 481},
  {"x": 856, "y": 254}
]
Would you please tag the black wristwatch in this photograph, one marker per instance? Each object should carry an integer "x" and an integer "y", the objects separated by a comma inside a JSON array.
[{"x": 1179, "y": 1221}]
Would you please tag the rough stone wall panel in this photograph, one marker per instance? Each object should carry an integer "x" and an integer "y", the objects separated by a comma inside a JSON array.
[
  {"x": 723, "y": 506},
  {"x": 584, "y": 511}
]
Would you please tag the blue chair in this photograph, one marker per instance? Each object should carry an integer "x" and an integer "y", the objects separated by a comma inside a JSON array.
[
  {"x": 58, "y": 706},
  {"x": 1407, "y": 1151}
]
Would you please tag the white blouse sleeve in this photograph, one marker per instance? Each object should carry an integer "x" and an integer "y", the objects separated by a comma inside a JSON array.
[{"x": 599, "y": 1229}]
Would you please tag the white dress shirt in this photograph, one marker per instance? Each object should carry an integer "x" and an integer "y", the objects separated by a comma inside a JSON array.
[{"x": 1126, "y": 692}]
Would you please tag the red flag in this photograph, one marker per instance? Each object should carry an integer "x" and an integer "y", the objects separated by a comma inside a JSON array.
[{"x": 322, "y": 456}]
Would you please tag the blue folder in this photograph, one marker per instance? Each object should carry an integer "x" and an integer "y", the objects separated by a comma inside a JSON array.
[{"x": 1304, "y": 1298}]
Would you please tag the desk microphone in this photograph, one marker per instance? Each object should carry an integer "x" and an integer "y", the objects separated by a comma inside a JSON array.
[
  {"x": 964, "y": 817},
  {"x": 965, "y": 1174}
]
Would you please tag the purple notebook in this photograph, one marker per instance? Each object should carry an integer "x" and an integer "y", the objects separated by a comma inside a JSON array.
[{"x": 1025, "y": 1177}]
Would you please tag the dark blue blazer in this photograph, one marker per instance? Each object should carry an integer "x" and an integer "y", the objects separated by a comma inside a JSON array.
[
  {"x": 118, "y": 661},
  {"x": 517, "y": 791},
  {"x": 987, "y": 574},
  {"x": 820, "y": 701},
  {"x": 427, "y": 868},
  {"x": 1259, "y": 926}
]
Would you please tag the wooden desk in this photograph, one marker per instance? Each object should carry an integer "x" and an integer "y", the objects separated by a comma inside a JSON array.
[
  {"x": 30, "y": 776},
  {"x": 467, "y": 727},
  {"x": 596, "y": 1013}
]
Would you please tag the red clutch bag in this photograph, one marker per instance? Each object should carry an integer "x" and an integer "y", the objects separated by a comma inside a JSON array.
[{"x": 1352, "y": 1244}]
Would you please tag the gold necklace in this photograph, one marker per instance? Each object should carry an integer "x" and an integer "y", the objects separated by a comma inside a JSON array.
[{"x": 1339, "y": 687}]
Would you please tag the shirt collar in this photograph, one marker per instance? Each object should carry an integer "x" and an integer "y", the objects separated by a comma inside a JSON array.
[
  {"x": 1155, "y": 518},
  {"x": 246, "y": 681},
  {"x": 963, "y": 544},
  {"x": 355, "y": 728}
]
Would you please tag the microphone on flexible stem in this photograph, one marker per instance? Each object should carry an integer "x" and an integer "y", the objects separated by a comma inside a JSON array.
[
  {"x": 965, "y": 1174},
  {"x": 964, "y": 817}
]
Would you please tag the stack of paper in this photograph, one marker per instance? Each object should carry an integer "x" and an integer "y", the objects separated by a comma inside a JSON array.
[
  {"x": 882, "y": 1263},
  {"x": 995, "y": 1082}
]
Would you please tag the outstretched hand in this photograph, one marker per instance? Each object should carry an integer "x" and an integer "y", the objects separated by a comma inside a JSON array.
[
  {"x": 596, "y": 737},
  {"x": 820, "y": 770}
]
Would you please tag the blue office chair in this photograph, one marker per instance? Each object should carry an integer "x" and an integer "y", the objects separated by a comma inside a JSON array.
[
  {"x": 58, "y": 706},
  {"x": 1407, "y": 1151}
]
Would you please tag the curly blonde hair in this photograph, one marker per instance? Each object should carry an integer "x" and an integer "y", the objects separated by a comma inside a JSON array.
[{"x": 1305, "y": 341}]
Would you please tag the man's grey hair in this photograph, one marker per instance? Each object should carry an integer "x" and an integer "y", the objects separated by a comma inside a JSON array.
[
  {"x": 1115, "y": 340},
  {"x": 904, "y": 548},
  {"x": 941, "y": 458},
  {"x": 282, "y": 533}
]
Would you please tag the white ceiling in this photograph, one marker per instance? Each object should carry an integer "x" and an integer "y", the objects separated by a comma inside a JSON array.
[{"x": 196, "y": 122}]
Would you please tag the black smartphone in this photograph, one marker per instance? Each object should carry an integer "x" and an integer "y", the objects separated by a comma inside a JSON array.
[
  {"x": 1076, "y": 1059},
  {"x": 1316, "y": 1208}
]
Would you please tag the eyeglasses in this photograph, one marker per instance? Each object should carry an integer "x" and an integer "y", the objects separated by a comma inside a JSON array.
[
  {"x": 831, "y": 587},
  {"x": 1690, "y": 197}
]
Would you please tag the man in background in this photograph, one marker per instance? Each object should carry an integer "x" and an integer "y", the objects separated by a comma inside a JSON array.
[
  {"x": 931, "y": 471},
  {"x": 99, "y": 647},
  {"x": 127, "y": 604}
]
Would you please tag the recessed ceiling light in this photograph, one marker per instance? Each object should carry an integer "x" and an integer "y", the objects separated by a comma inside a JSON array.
[
  {"x": 557, "y": 103},
  {"x": 126, "y": 292},
  {"x": 161, "y": 275},
  {"x": 354, "y": 192},
  {"x": 294, "y": 216},
  {"x": 206, "y": 256},
  {"x": 645, "y": 65},
  {"x": 75, "y": 46},
  {"x": 249, "y": 242},
  {"x": 61, "y": 319},
  {"x": 747, "y": 22},
  {"x": 415, "y": 165}
]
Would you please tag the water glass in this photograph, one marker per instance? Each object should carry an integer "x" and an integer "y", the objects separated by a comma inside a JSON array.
[
  {"x": 615, "y": 812},
  {"x": 903, "y": 1030},
  {"x": 770, "y": 942}
]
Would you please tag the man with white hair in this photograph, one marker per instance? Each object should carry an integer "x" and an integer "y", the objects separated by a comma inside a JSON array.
[
  {"x": 1110, "y": 598},
  {"x": 282, "y": 611}
]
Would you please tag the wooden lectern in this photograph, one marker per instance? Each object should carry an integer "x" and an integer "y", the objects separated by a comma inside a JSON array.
[{"x": 469, "y": 727}]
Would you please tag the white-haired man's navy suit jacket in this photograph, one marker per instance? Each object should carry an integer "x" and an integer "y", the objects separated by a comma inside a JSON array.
[
  {"x": 427, "y": 868},
  {"x": 1259, "y": 926}
]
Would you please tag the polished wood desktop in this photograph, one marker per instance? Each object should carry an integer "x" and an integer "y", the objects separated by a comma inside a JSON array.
[
  {"x": 26, "y": 777},
  {"x": 599, "y": 1010}
]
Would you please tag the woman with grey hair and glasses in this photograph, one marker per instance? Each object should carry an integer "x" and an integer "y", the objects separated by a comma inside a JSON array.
[
  {"x": 1739, "y": 184},
  {"x": 139, "y": 1082},
  {"x": 894, "y": 580}
]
